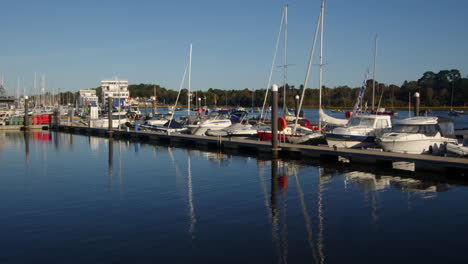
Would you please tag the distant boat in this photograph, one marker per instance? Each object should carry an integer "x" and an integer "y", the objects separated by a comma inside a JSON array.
[
  {"x": 336, "y": 110},
  {"x": 455, "y": 112},
  {"x": 382, "y": 111}
]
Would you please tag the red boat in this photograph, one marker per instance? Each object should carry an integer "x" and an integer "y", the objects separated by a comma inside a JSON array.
[{"x": 284, "y": 132}]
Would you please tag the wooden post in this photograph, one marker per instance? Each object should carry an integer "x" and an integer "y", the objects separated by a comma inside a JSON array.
[{"x": 26, "y": 110}]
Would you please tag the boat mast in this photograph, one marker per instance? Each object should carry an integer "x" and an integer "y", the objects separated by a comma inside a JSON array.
[
  {"x": 321, "y": 59},
  {"x": 155, "y": 101},
  {"x": 373, "y": 74},
  {"x": 311, "y": 56},
  {"x": 285, "y": 77},
  {"x": 189, "y": 80},
  {"x": 272, "y": 66},
  {"x": 451, "y": 98}
]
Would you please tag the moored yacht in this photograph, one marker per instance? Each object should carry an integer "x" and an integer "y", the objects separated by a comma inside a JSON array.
[
  {"x": 419, "y": 134},
  {"x": 360, "y": 131},
  {"x": 216, "y": 120}
]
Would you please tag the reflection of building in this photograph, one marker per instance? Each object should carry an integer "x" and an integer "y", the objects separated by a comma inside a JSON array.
[
  {"x": 116, "y": 89},
  {"x": 87, "y": 97}
]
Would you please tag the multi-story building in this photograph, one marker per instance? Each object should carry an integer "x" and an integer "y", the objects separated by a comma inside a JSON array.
[
  {"x": 117, "y": 89},
  {"x": 88, "y": 97}
]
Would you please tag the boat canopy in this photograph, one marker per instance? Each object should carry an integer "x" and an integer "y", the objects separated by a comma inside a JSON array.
[
  {"x": 331, "y": 120},
  {"x": 446, "y": 125}
]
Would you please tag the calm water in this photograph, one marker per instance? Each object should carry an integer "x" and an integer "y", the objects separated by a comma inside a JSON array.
[{"x": 78, "y": 199}]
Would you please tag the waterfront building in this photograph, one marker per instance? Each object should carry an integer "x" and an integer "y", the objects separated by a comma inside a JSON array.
[
  {"x": 87, "y": 97},
  {"x": 117, "y": 89}
]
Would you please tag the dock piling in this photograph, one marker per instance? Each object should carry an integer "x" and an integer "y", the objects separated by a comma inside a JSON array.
[
  {"x": 417, "y": 102},
  {"x": 274, "y": 120},
  {"x": 26, "y": 110},
  {"x": 109, "y": 114}
]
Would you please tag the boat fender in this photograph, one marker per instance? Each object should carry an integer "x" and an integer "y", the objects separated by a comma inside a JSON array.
[
  {"x": 282, "y": 124},
  {"x": 348, "y": 114}
]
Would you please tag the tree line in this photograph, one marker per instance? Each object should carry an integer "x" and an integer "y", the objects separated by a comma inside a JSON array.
[{"x": 435, "y": 90}]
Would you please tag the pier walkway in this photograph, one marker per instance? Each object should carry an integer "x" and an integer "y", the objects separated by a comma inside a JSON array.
[{"x": 457, "y": 165}]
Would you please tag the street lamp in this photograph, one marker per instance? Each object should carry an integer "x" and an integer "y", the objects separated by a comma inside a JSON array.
[{"x": 199, "y": 102}]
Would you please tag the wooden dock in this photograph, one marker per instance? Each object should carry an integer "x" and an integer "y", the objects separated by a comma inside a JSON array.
[
  {"x": 21, "y": 127},
  {"x": 456, "y": 165}
]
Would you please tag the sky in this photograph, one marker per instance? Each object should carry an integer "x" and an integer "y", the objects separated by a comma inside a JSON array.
[{"x": 78, "y": 43}]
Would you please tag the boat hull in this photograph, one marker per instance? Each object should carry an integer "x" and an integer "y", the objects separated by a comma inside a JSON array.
[
  {"x": 418, "y": 146},
  {"x": 349, "y": 141}
]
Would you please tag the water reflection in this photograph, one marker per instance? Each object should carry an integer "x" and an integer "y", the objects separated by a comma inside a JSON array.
[
  {"x": 26, "y": 148},
  {"x": 281, "y": 171},
  {"x": 297, "y": 199},
  {"x": 110, "y": 161}
]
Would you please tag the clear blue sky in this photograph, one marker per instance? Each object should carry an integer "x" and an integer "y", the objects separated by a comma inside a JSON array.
[{"x": 78, "y": 43}]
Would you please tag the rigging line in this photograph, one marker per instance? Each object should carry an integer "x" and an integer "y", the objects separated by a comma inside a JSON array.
[
  {"x": 272, "y": 65},
  {"x": 285, "y": 72},
  {"x": 307, "y": 72},
  {"x": 320, "y": 217},
  {"x": 178, "y": 95},
  {"x": 307, "y": 219},
  {"x": 193, "y": 218}
]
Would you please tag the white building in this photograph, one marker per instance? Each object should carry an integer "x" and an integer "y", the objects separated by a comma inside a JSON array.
[
  {"x": 88, "y": 97},
  {"x": 117, "y": 89}
]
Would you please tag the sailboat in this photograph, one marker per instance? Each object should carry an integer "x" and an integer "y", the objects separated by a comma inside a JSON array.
[
  {"x": 288, "y": 131},
  {"x": 361, "y": 130},
  {"x": 454, "y": 112},
  {"x": 171, "y": 126}
]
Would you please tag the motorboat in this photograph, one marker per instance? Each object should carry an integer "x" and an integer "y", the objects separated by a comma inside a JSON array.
[
  {"x": 235, "y": 130},
  {"x": 171, "y": 126},
  {"x": 240, "y": 127},
  {"x": 158, "y": 120},
  {"x": 455, "y": 112},
  {"x": 419, "y": 134},
  {"x": 216, "y": 120},
  {"x": 360, "y": 131},
  {"x": 118, "y": 119},
  {"x": 134, "y": 111}
]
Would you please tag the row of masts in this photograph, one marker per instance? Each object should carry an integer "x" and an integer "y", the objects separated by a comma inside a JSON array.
[{"x": 39, "y": 95}]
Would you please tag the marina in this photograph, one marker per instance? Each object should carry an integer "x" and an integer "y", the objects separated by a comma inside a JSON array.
[{"x": 231, "y": 132}]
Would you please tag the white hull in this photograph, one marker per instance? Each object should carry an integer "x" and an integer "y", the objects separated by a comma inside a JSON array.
[
  {"x": 457, "y": 149},
  {"x": 201, "y": 129},
  {"x": 104, "y": 123},
  {"x": 349, "y": 143},
  {"x": 417, "y": 146},
  {"x": 159, "y": 122}
]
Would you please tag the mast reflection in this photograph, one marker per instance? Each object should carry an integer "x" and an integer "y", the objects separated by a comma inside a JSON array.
[{"x": 191, "y": 207}]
